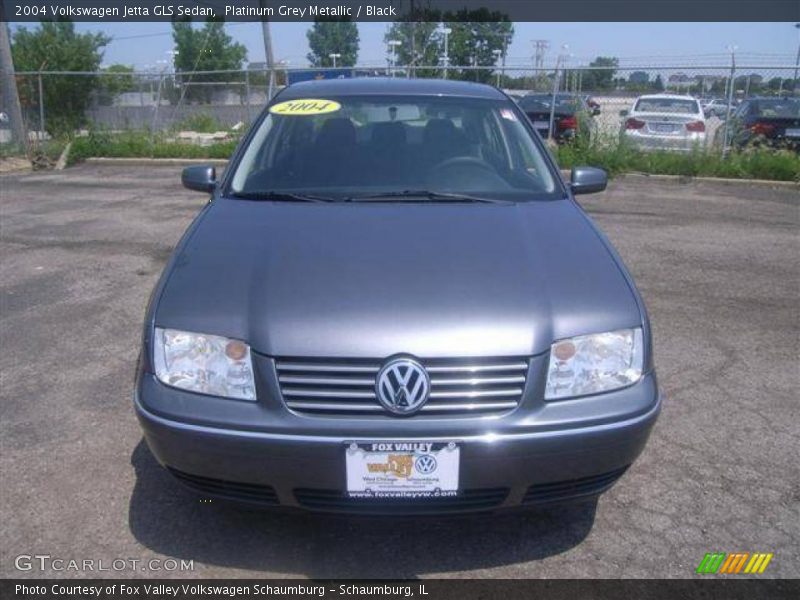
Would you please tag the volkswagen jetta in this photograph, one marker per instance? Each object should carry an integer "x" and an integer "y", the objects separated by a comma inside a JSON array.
[{"x": 393, "y": 303}]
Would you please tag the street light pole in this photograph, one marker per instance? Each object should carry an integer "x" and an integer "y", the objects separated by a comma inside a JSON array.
[
  {"x": 393, "y": 44},
  {"x": 796, "y": 60},
  {"x": 333, "y": 56},
  {"x": 497, "y": 54}
]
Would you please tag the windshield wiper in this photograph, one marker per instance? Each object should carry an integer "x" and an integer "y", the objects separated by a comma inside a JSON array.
[
  {"x": 282, "y": 196},
  {"x": 410, "y": 195}
]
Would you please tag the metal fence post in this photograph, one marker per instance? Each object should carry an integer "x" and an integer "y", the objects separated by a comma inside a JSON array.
[
  {"x": 556, "y": 75},
  {"x": 41, "y": 108},
  {"x": 155, "y": 109},
  {"x": 731, "y": 85},
  {"x": 247, "y": 93}
]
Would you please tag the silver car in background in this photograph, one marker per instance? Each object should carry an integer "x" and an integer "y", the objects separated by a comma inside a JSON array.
[{"x": 664, "y": 122}]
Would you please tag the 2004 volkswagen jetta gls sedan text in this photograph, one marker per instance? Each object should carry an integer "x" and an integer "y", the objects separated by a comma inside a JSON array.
[{"x": 393, "y": 303}]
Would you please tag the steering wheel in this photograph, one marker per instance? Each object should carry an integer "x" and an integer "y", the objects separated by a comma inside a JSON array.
[
  {"x": 464, "y": 161},
  {"x": 466, "y": 172}
]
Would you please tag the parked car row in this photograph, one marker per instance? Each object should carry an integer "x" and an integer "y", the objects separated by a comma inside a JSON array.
[{"x": 671, "y": 121}]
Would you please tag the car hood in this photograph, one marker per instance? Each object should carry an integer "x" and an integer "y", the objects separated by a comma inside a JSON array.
[{"x": 373, "y": 280}]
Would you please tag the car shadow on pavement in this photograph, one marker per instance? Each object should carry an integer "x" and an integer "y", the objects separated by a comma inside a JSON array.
[{"x": 170, "y": 520}]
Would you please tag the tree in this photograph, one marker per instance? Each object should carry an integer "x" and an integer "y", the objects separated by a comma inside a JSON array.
[
  {"x": 112, "y": 86},
  {"x": 658, "y": 84},
  {"x": 601, "y": 78},
  {"x": 639, "y": 78},
  {"x": 421, "y": 44},
  {"x": 206, "y": 49},
  {"x": 777, "y": 84},
  {"x": 475, "y": 38},
  {"x": 55, "y": 46},
  {"x": 326, "y": 37},
  {"x": 9, "y": 94}
]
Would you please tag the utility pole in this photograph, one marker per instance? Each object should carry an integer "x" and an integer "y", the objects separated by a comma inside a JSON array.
[
  {"x": 268, "y": 53},
  {"x": 446, "y": 31},
  {"x": 413, "y": 25},
  {"x": 540, "y": 49},
  {"x": 8, "y": 83}
]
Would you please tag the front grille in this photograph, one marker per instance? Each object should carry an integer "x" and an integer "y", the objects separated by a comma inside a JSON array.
[
  {"x": 347, "y": 387},
  {"x": 332, "y": 500},
  {"x": 242, "y": 492},
  {"x": 542, "y": 493}
]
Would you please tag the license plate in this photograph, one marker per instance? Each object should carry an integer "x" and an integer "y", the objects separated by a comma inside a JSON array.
[
  {"x": 792, "y": 132},
  {"x": 662, "y": 128},
  {"x": 541, "y": 124},
  {"x": 402, "y": 469}
]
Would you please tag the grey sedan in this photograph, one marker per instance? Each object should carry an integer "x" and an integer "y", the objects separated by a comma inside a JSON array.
[{"x": 393, "y": 304}]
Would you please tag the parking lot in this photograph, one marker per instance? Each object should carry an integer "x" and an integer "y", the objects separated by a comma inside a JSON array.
[{"x": 718, "y": 265}]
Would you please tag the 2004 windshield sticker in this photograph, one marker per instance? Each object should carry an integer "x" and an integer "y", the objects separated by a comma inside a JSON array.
[{"x": 304, "y": 107}]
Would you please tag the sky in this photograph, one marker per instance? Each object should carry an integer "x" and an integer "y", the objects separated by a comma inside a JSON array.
[{"x": 143, "y": 45}]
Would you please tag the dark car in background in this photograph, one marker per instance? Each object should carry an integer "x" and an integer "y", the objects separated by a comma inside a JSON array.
[
  {"x": 394, "y": 304},
  {"x": 773, "y": 122},
  {"x": 572, "y": 116}
]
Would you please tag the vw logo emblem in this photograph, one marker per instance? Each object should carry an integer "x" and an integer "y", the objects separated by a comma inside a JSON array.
[
  {"x": 426, "y": 464},
  {"x": 402, "y": 386}
]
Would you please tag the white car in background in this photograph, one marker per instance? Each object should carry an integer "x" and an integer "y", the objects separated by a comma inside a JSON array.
[{"x": 665, "y": 122}]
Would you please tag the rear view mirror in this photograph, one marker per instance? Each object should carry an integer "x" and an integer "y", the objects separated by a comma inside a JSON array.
[
  {"x": 201, "y": 178},
  {"x": 588, "y": 180}
]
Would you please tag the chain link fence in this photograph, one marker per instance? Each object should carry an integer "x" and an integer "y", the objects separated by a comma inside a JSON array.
[{"x": 207, "y": 106}]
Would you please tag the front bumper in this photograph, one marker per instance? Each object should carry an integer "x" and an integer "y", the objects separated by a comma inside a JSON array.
[
  {"x": 527, "y": 458},
  {"x": 675, "y": 143}
]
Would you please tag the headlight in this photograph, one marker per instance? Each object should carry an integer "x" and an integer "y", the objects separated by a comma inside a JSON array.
[
  {"x": 590, "y": 364},
  {"x": 208, "y": 364}
]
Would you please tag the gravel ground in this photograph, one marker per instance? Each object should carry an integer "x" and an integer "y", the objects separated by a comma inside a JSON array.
[{"x": 718, "y": 265}]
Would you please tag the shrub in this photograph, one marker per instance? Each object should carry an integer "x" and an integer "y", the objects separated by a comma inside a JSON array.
[{"x": 200, "y": 122}]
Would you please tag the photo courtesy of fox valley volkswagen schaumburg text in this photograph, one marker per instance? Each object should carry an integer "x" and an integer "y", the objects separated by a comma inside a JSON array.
[{"x": 290, "y": 290}]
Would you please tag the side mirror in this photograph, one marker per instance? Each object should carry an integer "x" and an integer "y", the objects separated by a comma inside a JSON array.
[
  {"x": 596, "y": 111},
  {"x": 200, "y": 179},
  {"x": 623, "y": 113},
  {"x": 588, "y": 180}
]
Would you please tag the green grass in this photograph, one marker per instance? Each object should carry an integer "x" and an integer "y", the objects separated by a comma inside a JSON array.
[
  {"x": 775, "y": 165},
  {"x": 199, "y": 122},
  {"x": 135, "y": 144},
  {"x": 52, "y": 149}
]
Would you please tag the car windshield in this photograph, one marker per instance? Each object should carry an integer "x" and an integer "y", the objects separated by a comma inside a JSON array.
[
  {"x": 349, "y": 148},
  {"x": 786, "y": 108},
  {"x": 541, "y": 103},
  {"x": 667, "y": 105}
]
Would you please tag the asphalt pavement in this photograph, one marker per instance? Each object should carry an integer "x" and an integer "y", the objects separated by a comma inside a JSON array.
[{"x": 718, "y": 266}]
